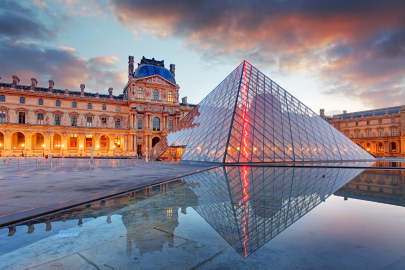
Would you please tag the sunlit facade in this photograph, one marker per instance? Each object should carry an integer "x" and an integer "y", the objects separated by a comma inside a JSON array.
[
  {"x": 248, "y": 118},
  {"x": 44, "y": 120}
]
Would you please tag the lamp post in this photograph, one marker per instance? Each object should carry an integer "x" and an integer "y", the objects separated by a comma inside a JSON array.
[
  {"x": 62, "y": 149},
  {"x": 22, "y": 150},
  {"x": 43, "y": 150},
  {"x": 114, "y": 151},
  {"x": 81, "y": 150},
  {"x": 98, "y": 150}
]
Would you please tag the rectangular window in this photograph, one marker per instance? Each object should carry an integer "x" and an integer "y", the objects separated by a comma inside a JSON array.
[
  {"x": 104, "y": 122},
  {"x": 57, "y": 119},
  {"x": 393, "y": 132},
  {"x": 104, "y": 107},
  {"x": 368, "y": 122},
  {"x": 379, "y": 121},
  {"x": 380, "y": 133},
  {"x": 89, "y": 141},
  {"x": 2, "y": 98},
  {"x": 74, "y": 104},
  {"x": 170, "y": 125},
  {"x": 357, "y": 134},
  {"x": 171, "y": 110},
  {"x": 392, "y": 120},
  {"x": 347, "y": 124},
  {"x": 118, "y": 108},
  {"x": 140, "y": 107},
  {"x": 357, "y": 123},
  {"x": 22, "y": 100},
  {"x": 40, "y": 101},
  {"x": 40, "y": 118},
  {"x": 139, "y": 123},
  {"x": 117, "y": 123},
  {"x": 89, "y": 121},
  {"x": 89, "y": 106},
  {"x": 58, "y": 103},
  {"x": 394, "y": 180},
  {"x": 73, "y": 119},
  {"x": 2, "y": 116},
  {"x": 21, "y": 117},
  {"x": 368, "y": 133}
]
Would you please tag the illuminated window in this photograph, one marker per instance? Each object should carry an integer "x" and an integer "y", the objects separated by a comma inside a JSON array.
[
  {"x": 58, "y": 103},
  {"x": 57, "y": 141},
  {"x": 57, "y": 119},
  {"x": 40, "y": 118},
  {"x": 380, "y": 147},
  {"x": 73, "y": 120},
  {"x": 140, "y": 92},
  {"x": 74, "y": 104},
  {"x": 393, "y": 147},
  {"x": 156, "y": 124},
  {"x": 73, "y": 141},
  {"x": 89, "y": 121},
  {"x": 40, "y": 101},
  {"x": 103, "y": 142},
  {"x": 139, "y": 123},
  {"x": 170, "y": 124},
  {"x": 169, "y": 213},
  {"x": 155, "y": 94},
  {"x": 104, "y": 107},
  {"x": 393, "y": 132},
  {"x": 89, "y": 141},
  {"x": 117, "y": 142},
  {"x": 170, "y": 97},
  {"x": 2, "y": 98}
]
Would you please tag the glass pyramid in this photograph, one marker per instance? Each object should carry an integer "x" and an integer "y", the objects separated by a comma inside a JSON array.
[
  {"x": 249, "y": 206},
  {"x": 248, "y": 118}
]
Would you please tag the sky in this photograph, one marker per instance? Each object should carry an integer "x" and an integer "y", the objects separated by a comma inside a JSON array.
[{"x": 336, "y": 54}]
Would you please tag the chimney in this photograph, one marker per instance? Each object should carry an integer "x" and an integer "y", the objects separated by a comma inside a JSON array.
[
  {"x": 130, "y": 66},
  {"x": 51, "y": 84},
  {"x": 82, "y": 86},
  {"x": 322, "y": 112},
  {"x": 173, "y": 69},
  {"x": 34, "y": 83},
  {"x": 344, "y": 112},
  {"x": 0, "y": 79},
  {"x": 110, "y": 91},
  {"x": 184, "y": 100},
  {"x": 16, "y": 81}
]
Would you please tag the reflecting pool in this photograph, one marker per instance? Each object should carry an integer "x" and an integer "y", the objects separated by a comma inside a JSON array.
[{"x": 227, "y": 218}]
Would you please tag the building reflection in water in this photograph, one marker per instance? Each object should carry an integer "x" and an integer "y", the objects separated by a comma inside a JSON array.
[
  {"x": 386, "y": 186},
  {"x": 247, "y": 206}
]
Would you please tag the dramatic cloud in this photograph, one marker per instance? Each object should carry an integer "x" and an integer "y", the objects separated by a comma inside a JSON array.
[
  {"x": 353, "y": 46},
  {"x": 28, "y": 60}
]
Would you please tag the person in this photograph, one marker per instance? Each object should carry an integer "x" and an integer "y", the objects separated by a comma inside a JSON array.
[{"x": 91, "y": 151}]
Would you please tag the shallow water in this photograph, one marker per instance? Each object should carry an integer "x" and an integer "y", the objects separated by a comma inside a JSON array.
[{"x": 227, "y": 218}]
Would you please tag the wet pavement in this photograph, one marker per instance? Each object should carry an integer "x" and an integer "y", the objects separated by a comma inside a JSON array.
[{"x": 225, "y": 218}]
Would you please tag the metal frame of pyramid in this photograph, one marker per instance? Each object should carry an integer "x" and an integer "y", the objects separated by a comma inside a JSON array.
[{"x": 248, "y": 118}]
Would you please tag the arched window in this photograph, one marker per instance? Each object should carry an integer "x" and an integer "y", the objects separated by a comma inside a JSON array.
[
  {"x": 156, "y": 124},
  {"x": 380, "y": 147},
  {"x": 117, "y": 142},
  {"x": 140, "y": 92},
  {"x": 155, "y": 94},
  {"x": 170, "y": 97},
  {"x": 393, "y": 147},
  {"x": 103, "y": 142}
]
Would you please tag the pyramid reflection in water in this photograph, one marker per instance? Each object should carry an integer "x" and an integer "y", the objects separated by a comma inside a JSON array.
[
  {"x": 249, "y": 118},
  {"x": 248, "y": 206}
]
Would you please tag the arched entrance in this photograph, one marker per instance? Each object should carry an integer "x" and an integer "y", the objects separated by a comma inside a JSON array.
[
  {"x": 18, "y": 143},
  {"x": 155, "y": 140},
  {"x": 1, "y": 141},
  {"x": 104, "y": 143},
  {"x": 393, "y": 147},
  {"x": 38, "y": 141},
  {"x": 380, "y": 147},
  {"x": 56, "y": 141}
]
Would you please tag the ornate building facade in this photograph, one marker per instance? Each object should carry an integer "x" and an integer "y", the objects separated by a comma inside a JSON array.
[
  {"x": 378, "y": 131},
  {"x": 45, "y": 120}
]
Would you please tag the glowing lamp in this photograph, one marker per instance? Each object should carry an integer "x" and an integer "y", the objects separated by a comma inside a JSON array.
[
  {"x": 43, "y": 145},
  {"x": 22, "y": 145}
]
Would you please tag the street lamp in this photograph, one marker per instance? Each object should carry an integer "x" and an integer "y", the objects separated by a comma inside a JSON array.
[
  {"x": 62, "y": 149},
  {"x": 43, "y": 150},
  {"x": 114, "y": 151},
  {"x": 22, "y": 150},
  {"x": 98, "y": 150},
  {"x": 81, "y": 150}
]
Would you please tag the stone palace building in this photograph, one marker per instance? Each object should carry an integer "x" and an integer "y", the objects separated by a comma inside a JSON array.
[
  {"x": 44, "y": 120},
  {"x": 378, "y": 131}
]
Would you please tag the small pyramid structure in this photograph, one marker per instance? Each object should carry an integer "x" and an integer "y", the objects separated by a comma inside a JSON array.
[{"x": 248, "y": 118}]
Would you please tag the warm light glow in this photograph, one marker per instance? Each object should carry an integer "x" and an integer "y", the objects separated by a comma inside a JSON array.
[
  {"x": 229, "y": 148},
  {"x": 63, "y": 145},
  {"x": 22, "y": 145},
  {"x": 98, "y": 146},
  {"x": 0, "y": 144},
  {"x": 254, "y": 149},
  {"x": 238, "y": 148},
  {"x": 81, "y": 146},
  {"x": 114, "y": 147},
  {"x": 43, "y": 145}
]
